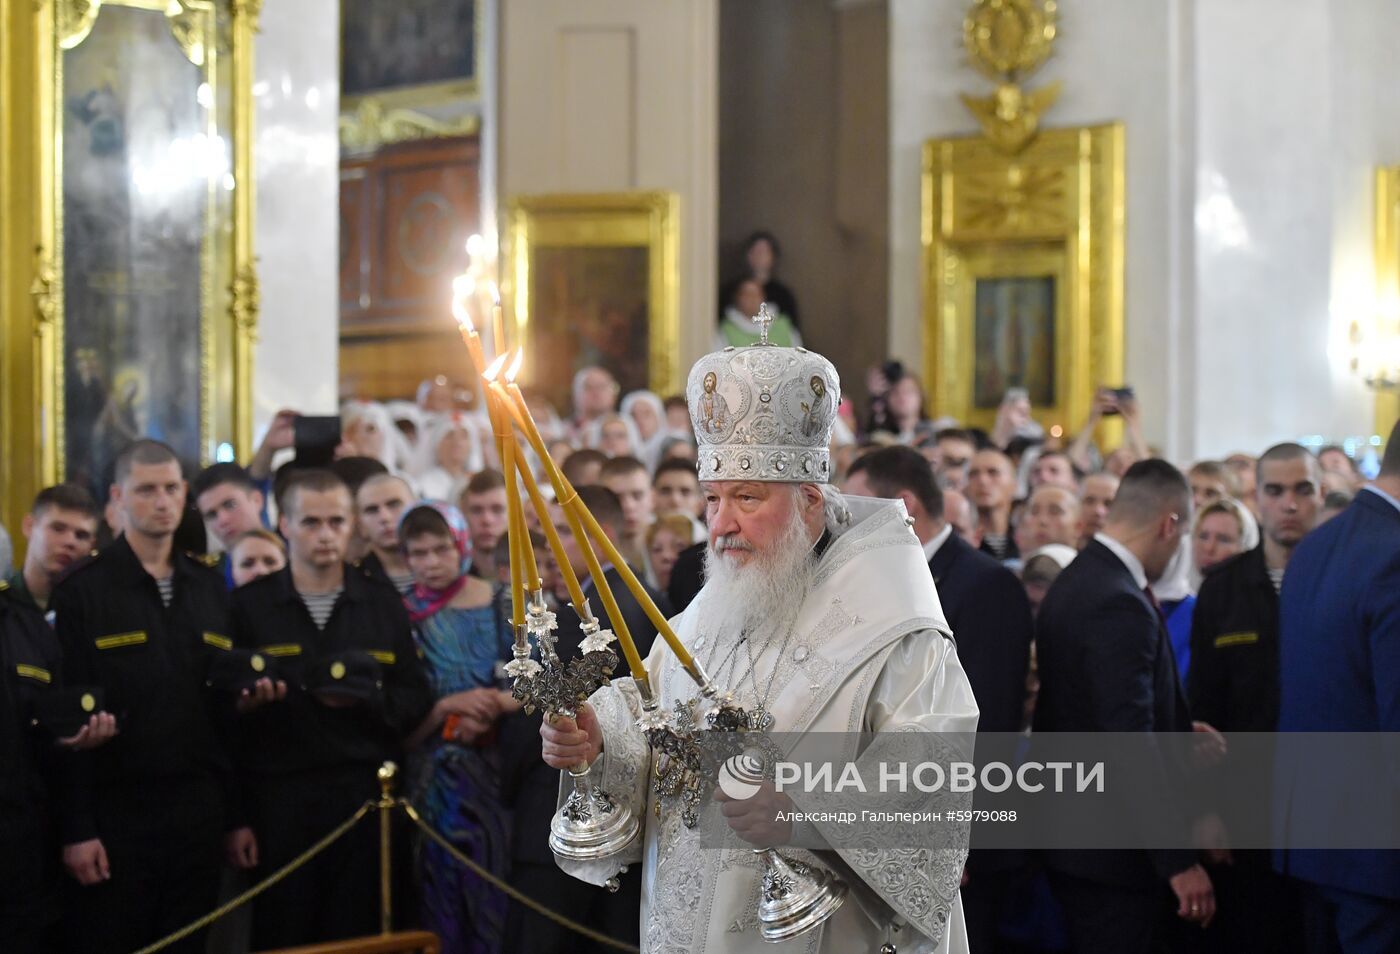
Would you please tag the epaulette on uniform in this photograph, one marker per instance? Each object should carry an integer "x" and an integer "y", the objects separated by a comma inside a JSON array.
[
  {"x": 209, "y": 561},
  {"x": 82, "y": 564}
]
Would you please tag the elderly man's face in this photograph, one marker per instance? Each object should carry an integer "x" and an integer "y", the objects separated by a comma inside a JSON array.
[{"x": 747, "y": 517}]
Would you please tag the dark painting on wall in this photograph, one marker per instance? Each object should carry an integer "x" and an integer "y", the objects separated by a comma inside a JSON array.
[
  {"x": 1014, "y": 339},
  {"x": 137, "y": 167},
  {"x": 393, "y": 44},
  {"x": 588, "y": 306}
]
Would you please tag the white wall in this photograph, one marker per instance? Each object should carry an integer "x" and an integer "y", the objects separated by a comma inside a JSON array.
[
  {"x": 614, "y": 95},
  {"x": 1252, "y": 134},
  {"x": 297, "y": 155}
]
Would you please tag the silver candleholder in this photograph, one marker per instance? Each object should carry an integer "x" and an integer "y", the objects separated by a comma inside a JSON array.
[
  {"x": 591, "y": 824},
  {"x": 796, "y": 897}
]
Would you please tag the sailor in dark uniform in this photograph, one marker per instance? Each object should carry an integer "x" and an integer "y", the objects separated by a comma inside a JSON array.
[{"x": 142, "y": 820}]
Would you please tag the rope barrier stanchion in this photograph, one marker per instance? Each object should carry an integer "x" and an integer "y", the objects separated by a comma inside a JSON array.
[
  {"x": 384, "y": 805},
  {"x": 257, "y": 889},
  {"x": 387, "y": 772},
  {"x": 511, "y": 892}
]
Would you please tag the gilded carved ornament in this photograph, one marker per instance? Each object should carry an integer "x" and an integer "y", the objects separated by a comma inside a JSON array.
[
  {"x": 1007, "y": 40},
  {"x": 74, "y": 20},
  {"x": 44, "y": 290},
  {"x": 246, "y": 299},
  {"x": 373, "y": 125}
]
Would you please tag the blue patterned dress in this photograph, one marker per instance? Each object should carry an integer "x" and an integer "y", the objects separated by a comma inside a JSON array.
[{"x": 456, "y": 787}]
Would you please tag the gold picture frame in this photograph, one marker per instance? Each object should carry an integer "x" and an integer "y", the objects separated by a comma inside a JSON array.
[
  {"x": 1387, "y": 407},
  {"x": 595, "y": 272},
  {"x": 1023, "y": 273},
  {"x": 135, "y": 117},
  {"x": 374, "y": 115}
]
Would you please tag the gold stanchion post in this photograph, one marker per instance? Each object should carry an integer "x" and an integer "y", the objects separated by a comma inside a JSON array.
[{"x": 387, "y": 773}]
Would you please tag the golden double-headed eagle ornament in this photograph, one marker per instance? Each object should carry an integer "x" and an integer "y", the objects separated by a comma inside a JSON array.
[{"x": 1007, "y": 40}]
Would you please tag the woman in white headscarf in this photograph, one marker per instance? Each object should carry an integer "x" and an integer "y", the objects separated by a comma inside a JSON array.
[
  {"x": 411, "y": 422},
  {"x": 453, "y": 453},
  {"x": 367, "y": 430},
  {"x": 648, "y": 415}
]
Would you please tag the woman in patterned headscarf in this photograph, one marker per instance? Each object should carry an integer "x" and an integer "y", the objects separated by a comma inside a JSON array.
[{"x": 454, "y": 773}]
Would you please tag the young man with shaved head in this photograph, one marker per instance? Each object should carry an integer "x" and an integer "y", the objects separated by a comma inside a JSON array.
[
  {"x": 379, "y": 503},
  {"x": 1105, "y": 665},
  {"x": 991, "y": 486},
  {"x": 144, "y": 822},
  {"x": 345, "y": 689},
  {"x": 1233, "y": 680}
]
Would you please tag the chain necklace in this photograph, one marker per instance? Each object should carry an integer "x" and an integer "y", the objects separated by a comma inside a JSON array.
[{"x": 761, "y": 719}]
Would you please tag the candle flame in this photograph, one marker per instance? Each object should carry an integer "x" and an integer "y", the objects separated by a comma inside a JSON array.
[
  {"x": 490, "y": 373},
  {"x": 495, "y": 293},
  {"x": 463, "y": 288},
  {"x": 515, "y": 365}
]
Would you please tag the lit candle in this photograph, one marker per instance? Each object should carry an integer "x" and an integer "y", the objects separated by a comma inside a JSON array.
[
  {"x": 518, "y": 467},
  {"x": 658, "y": 619},
  {"x": 537, "y": 500},
  {"x": 501, "y": 425},
  {"x": 574, "y": 507},
  {"x": 562, "y": 493},
  {"x": 461, "y": 293},
  {"x": 498, "y": 320},
  {"x": 516, "y": 530},
  {"x": 527, "y": 549}
]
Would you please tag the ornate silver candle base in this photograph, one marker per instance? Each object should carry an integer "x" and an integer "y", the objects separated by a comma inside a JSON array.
[
  {"x": 591, "y": 825},
  {"x": 796, "y": 897}
]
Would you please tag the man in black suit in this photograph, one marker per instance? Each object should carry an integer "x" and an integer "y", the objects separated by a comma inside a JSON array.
[
  {"x": 687, "y": 576},
  {"x": 992, "y": 623},
  {"x": 531, "y": 787},
  {"x": 1106, "y": 666}
]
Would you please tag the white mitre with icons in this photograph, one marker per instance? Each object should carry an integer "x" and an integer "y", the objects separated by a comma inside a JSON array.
[{"x": 764, "y": 412}]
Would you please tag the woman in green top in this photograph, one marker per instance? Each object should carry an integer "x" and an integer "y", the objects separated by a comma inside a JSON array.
[{"x": 737, "y": 328}]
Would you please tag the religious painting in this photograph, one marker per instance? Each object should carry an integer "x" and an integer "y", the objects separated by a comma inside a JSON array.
[
  {"x": 1014, "y": 339},
  {"x": 591, "y": 308},
  {"x": 592, "y": 279},
  {"x": 399, "y": 45},
  {"x": 1023, "y": 274},
  {"x": 137, "y": 259},
  {"x": 136, "y": 159}
]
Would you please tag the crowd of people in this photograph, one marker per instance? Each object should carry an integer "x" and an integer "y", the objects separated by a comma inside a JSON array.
[{"x": 204, "y": 671}]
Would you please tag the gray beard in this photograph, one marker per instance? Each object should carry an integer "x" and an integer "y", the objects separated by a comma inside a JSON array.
[{"x": 763, "y": 597}]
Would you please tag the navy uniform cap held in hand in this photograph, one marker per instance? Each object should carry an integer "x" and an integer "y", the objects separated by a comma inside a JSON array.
[
  {"x": 352, "y": 674},
  {"x": 63, "y": 712},
  {"x": 240, "y": 669}
]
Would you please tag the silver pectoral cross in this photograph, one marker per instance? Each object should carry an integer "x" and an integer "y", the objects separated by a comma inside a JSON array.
[{"x": 764, "y": 319}]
